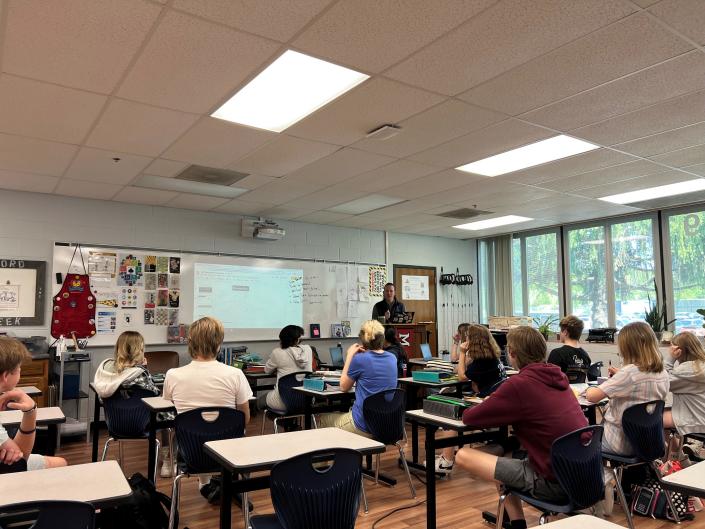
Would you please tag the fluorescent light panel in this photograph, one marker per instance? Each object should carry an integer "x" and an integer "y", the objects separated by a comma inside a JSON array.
[
  {"x": 365, "y": 204},
  {"x": 493, "y": 223},
  {"x": 188, "y": 186},
  {"x": 650, "y": 193},
  {"x": 288, "y": 90},
  {"x": 529, "y": 155}
]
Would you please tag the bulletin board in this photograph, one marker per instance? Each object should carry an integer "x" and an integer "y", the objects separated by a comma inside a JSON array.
[{"x": 148, "y": 290}]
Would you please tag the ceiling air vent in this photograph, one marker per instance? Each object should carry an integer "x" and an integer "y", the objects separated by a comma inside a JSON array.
[
  {"x": 210, "y": 175},
  {"x": 463, "y": 213}
]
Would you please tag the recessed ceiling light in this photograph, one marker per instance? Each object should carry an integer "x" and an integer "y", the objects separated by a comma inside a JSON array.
[
  {"x": 288, "y": 90},
  {"x": 493, "y": 223},
  {"x": 188, "y": 186},
  {"x": 529, "y": 155},
  {"x": 649, "y": 193},
  {"x": 365, "y": 204}
]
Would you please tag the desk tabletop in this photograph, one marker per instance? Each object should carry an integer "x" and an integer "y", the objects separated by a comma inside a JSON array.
[
  {"x": 97, "y": 483},
  {"x": 325, "y": 393},
  {"x": 261, "y": 452},
  {"x": 259, "y": 375},
  {"x": 52, "y": 415},
  {"x": 411, "y": 381},
  {"x": 158, "y": 404},
  {"x": 692, "y": 477},
  {"x": 32, "y": 391},
  {"x": 582, "y": 521},
  {"x": 423, "y": 417}
]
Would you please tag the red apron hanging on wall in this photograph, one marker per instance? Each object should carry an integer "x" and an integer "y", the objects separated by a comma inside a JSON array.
[{"x": 73, "y": 311}]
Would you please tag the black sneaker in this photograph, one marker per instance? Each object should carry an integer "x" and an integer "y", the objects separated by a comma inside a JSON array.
[{"x": 491, "y": 518}]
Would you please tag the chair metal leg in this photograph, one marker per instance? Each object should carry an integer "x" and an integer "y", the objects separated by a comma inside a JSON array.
[
  {"x": 669, "y": 498},
  {"x": 315, "y": 425},
  {"x": 377, "y": 469},
  {"x": 264, "y": 419},
  {"x": 156, "y": 458},
  {"x": 121, "y": 454},
  {"x": 500, "y": 509},
  {"x": 276, "y": 425},
  {"x": 406, "y": 469},
  {"x": 175, "y": 493},
  {"x": 172, "y": 456},
  {"x": 105, "y": 448},
  {"x": 362, "y": 492},
  {"x": 622, "y": 499},
  {"x": 246, "y": 505}
]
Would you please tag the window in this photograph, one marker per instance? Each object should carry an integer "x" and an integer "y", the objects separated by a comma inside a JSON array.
[
  {"x": 535, "y": 275},
  {"x": 687, "y": 250},
  {"x": 588, "y": 282}
]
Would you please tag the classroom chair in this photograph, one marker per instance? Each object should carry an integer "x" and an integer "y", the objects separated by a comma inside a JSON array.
[
  {"x": 193, "y": 429},
  {"x": 643, "y": 427},
  {"x": 577, "y": 375},
  {"x": 384, "y": 415},
  {"x": 161, "y": 361},
  {"x": 576, "y": 459},
  {"x": 48, "y": 515},
  {"x": 312, "y": 497},
  {"x": 293, "y": 399},
  {"x": 127, "y": 419},
  {"x": 695, "y": 437},
  {"x": 17, "y": 466}
]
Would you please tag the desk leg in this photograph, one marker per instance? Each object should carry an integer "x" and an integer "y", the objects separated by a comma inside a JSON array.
[
  {"x": 253, "y": 409},
  {"x": 226, "y": 498},
  {"x": 430, "y": 476},
  {"x": 152, "y": 457},
  {"x": 308, "y": 412},
  {"x": 415, "y": 442},
  {"x": 591, "y": 414},
  {"x": 96, "y": 429},
  {"x": 52, "y": 434}
]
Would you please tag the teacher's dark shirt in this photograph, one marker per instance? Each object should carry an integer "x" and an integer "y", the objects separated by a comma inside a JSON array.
[{"x": 381, "y": 307}]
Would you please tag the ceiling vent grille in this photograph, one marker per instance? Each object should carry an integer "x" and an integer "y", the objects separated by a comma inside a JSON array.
[
  {"x": 210, "y": 175},
  {"x": 463, "y": 213}
]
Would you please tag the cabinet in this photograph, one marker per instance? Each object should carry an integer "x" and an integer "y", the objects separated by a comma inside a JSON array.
[{"x": 36, "y": 373}]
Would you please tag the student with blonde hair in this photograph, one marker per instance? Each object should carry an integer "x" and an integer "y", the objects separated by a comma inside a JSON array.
[
  {"x": 685, "y": 366},
  {"x": 641, "y": 379},
  {"x": 370, "y": 369}
]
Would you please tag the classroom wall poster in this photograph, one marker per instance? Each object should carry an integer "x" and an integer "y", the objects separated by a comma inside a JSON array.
[
  {"x": 9, "y": 297},
  {"x": 105, "y": 321},
  {"x": 130, "y": 272},
  {"x": 414, "y": 287},
  {"x": 102, "y": 266}
]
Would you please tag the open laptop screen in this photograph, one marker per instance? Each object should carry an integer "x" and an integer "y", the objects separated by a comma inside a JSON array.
[{"x": 426, "y": 351}]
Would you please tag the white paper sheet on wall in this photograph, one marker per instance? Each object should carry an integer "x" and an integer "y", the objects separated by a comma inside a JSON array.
[{"x": 414, "y": 287}]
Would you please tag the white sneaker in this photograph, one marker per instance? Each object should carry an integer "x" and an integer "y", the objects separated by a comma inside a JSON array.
[
  {"x": 608, "y": 502},
  {"x": 166, "y": 471},
  {"x": 443, "y": 466}
]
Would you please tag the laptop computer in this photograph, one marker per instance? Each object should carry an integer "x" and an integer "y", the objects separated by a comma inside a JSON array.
[
  {"x": 426, "y": 351},
  {"x": 336, "y": 356},
  {"x": 403, "y": 317}
]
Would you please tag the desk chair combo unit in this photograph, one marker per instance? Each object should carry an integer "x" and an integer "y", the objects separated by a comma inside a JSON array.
[
  {"x": 49, "y": 515},
  {"x": 294, "y": 400}
]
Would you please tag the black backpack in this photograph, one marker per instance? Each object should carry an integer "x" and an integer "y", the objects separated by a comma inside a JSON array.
[{"x": 146, "y": 508}]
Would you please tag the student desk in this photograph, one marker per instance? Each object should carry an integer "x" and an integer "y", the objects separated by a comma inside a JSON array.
[
  {"x": 582, "y": 521},
  {"x": 100, "y": 484},
  {"x": 250, "y": 454},
  {"x": 412, "y": 386},
  {"x": 346, "y": 396},
  {"x": 689, "y": 481},
  {"x": 32, "y": 391},
  {"x": 431, "y": 423},
  {"x": 156, "y": 405},
  {"x": 49, "y": 417}
]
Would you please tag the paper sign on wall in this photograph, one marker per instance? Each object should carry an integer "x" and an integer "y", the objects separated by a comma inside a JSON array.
[{"x": 414, "y": 287}]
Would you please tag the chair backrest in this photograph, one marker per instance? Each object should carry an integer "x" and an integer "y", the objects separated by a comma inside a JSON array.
[
  {"x": 384, "y": 415},
  {"x": 126, "y": 415},
  {"x": 595, "y": 370},
  {"x": 161, "y": 361},
  {"x": 18, "y": 466},
  {"x": 294, "y": 400},
  {"x": 196, "y": 427},
  {"x": 576, "y": 459},
  {"x": 51, "y": 514},
  {"x": 643, "y": 427},
  {"x": 308, "y": 497},
  {"x": 576, "y": 375}
]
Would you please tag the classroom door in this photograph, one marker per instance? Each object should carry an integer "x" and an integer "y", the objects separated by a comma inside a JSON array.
[{"x": 419, "y": 297}]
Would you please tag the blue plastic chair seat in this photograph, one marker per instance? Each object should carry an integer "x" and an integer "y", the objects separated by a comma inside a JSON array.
[
  {"x": 624, "y": 460},
  {"x": 49, "y": 515},
  {"x": 544, "y": 506},
  {"x": 265, "y": 521}
]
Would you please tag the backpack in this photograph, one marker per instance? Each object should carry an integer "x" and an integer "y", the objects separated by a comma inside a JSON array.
[{"x": 146, "y": 508}]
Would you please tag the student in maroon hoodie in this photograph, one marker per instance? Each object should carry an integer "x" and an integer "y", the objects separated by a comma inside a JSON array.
[{"x": 540, "y": 406}]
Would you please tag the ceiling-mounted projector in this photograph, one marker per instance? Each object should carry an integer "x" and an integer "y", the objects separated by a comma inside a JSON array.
[{"x": 264, "y": 229}]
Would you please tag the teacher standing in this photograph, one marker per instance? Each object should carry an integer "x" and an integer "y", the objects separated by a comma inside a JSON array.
[{"x": 389, "y": 306}]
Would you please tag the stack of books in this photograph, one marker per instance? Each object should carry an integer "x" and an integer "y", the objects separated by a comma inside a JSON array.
[{"x": 440, "y": 365}]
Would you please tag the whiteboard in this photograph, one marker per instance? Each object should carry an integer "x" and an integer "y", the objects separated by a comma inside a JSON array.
[{"x": 332, "y": 292}]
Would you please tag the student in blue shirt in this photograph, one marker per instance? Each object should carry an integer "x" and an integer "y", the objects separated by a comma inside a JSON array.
[{"x": 370, "y": 369}]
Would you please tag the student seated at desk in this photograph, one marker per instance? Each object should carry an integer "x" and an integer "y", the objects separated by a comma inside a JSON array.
[
  {"x": 540, "y": 406},
  {"x": 570, "y": 355},
  {"x": 370, "y": 369},
  {"x": 125, "y": 371},
  {"x": 460, "y": 337},
  {"x": 12, "y": 354},
  {"x": 290, "y": 357},
  {"x": 391, "y": 344},
  {"x": 205, "y": 382}
]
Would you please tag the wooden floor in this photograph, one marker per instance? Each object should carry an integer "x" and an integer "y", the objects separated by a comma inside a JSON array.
[{"x": 460, "y": 499}]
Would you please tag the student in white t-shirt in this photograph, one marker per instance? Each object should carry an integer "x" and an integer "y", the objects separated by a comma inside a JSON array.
[{"x": 205, "y": 382}]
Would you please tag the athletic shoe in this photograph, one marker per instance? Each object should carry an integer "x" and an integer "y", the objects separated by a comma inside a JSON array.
[{"x": 443, "y": 466}]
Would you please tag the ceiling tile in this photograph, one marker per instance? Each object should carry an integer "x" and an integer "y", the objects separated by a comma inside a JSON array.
[
  {"x": 393, "y": 174},
  {"x": 34, "y": 156},
  {"x": 254, "y": 181},
  {"x": 645, "y": 3},
  {"x": 682, "y": 157},
  {"x": 270, "y": 18},
  {"x": 686, "y": 16},
  {"x": 142, "y": 195},
  {"x": 201, "y": 202},
  {"x": 328, "y": 197},
  {"x": 619, "y": 49},
  {"x": 280, "y": 191},
  {"x": 96, "y": 165},
  {"x": 372, "y": 35},
  {"x": 165, "y": 168},
  {"x": 283, "y": 155},
  {"x": 192, "y": 65},
  {"x": 664, "y": 116},
  {"x": 633, "y": 184},
  {"x": 608, "y": 175},
  {"x": 46, "y": 111},
  {"x": 482, "y": 143},
  {"x": 666, "y": 141},
  {"x": 241, "y": 208},
  {"x": 140, "y": 129},
  {"x": 82, "y": 43},
  {"x": 82, "y": 189},
  {"x": 698, "y": 169},
  {"x": 435, "y": 183},
  {"x": 581, "y": 163},
  {"x": 337, "y": 167},
  {"x": 216, "y": 143},
  {"x": 366, "y": 107},
  {"x": 323, "y": 217},
  {"x": 27, "y": 182},
  {"x": 284, "y": 212},
  {"x": 671, "y": 79},
  {"x": 502, "y": 37},
  {"x": 432, "y": 127}
]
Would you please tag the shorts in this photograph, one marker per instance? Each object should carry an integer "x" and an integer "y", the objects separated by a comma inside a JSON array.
[
  {"x": 344, "y": 421},
  {"x": 518, "y": 474},
  {"x": 36, "y": 462}
]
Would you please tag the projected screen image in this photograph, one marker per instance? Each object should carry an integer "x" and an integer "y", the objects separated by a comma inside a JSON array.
[{"x": 246, "y": 297}]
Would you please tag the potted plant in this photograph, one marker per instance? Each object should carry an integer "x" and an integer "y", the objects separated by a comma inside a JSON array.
[
  {"x": 544, "y": 325},
  {"x": 656, "y": 316}
]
